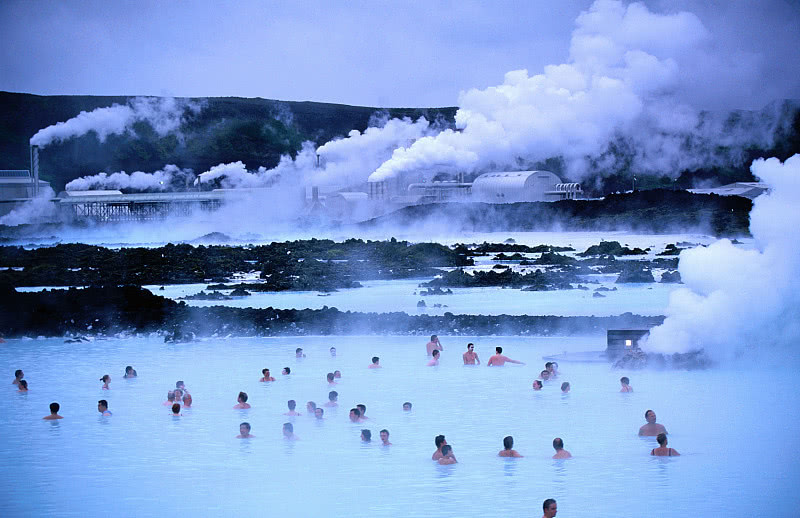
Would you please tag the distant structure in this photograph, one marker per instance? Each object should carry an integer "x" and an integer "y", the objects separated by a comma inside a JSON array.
[
  {"x": 621, "y": 341},
  {"x": 523, "y": 186},
  {"x": 17, "y": 186},
  {"x": 744, "y": 189}
]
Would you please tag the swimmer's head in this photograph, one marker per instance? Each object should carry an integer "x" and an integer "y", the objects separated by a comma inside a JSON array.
[
  {"x": 18, "y": 374},
  {"x": 178, "y": 393},
  {"x": 565, "y": 387},
  {"x": 23, "y": 384},
  {"x": 470, "y": 346},
  {"x": 434, "y": 338},
  {"x": 366, "y": 435},
  {"x": 545, "y": 375},
  {"x": 549, "y": 507},
  {"x": 435, "y": 353},
  {"x": 244, "y": 429},
  {"x": 558, "y": 444},
  {"x": 333, "y": 395},
  {"x": 288, "y": 429},
  {"x": 171, "y": 395},
  {"x": 355, "y": 414},
  {"x": 330, "y": 376},
  {"x": 549, "y": 366},
  {"x": 102, "y": 405},
  {"x": 187, "y": 399},
  {"x": 286, "y": 370},
  {"x": 265, "y": 372},
  {"x": 54, "y": 408},
  {"x": 292, "y": 404},
  {"x": 375, "y": 360},
  {"x": 180, "y": 384},
  {"x": 446, "y": 450},
  {"x": 499, "y": 350},
  {"x": 406, "y": 406},
  {"x": 311, "y": 406},
  {"x": 537, "y": 385},
  {"x": 242, "y": 397},
  {"x": 176, "y": 408},
  {"x": 439, "y": 440},
  {"x": 337, "y": 374},
  {"x": 508, "y": 442},
  {"x": 362, "y": 408},
  {"x": 128, "y": 370},
  {"x": 106, "y": 378},
  {"x": 333, "y": 351},
  {"x": 662, "y": 439},
  {"x": 384, "y": 435},
  {"x": 624, "y": 380},
  {"x": 650, "y": 416},
  {"x": 318, "y": 412}
]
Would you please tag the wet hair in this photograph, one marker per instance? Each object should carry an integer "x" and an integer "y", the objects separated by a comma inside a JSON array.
[
  {"x": 130, "y": 369},
  {"x": 288, "y": 370},
  {"x": 180, "y": 384},
  {"x": 187, "y": 399},
  {"x": 547, "y": 503},
  {"x": 264, "y": 371},
  {"x": 385, "y": 430},
  {"x": 333, "y": 348},
  {"x": 362, "y": 408},
  {"x": 320, "y": 410},
  {"x": 508, "y": 442},
  {"x": 178, "y": 393},
  {"x": 330, "y": 376},
  {"x": 298, "y": 350},
  {"x": 564, "y": 386},
  {"x": 176, "y": 408},
  {"x": 435, "y": 353},
  {"x": 103, "y": 402},
  {"x": 366, "y": 435},
  {"x": 246, "y": 425},
  {"x": 243, "y": 396},
  {"x": 54, "y": 408},
  {"x": 558, "y": 444},
  {"x": 434, "y": 337},
  {"x": 535, "y": 382},
  {"x": 171, "y": 395},
  {"x": 333, "y": 395},
  {"x": 292, "y": 404},
  {"x": 438, "y": 440},
  {"x": 662, "y": 439},
  {"x": 375, "y": 359},
  {"x": 311, "y": 405},
  {"x": 647, "y": 412},
  {"x": 548, "y": 365},
  {"x": 470, "y": 345},
  {"x": 624, "y": 380},
  {"x": 104, "y": 377},
  {"x": 23, "y": 383},
  {"x": 499, "y": 350},
  {"x": 544, "y": 373},
  {"x": 18, "y": 373},
  {"x": 407, "y": 404},
  {"x": 288, "y": 427},
  {"x": 446, "y": 449},
  {"x": 355, "y": 411}
]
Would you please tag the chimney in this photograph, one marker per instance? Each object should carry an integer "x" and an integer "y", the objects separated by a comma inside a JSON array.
[{"x": 35, "y": 169}]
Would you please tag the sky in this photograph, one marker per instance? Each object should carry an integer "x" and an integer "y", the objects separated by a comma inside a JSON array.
[{"x": 370, "y": 53}]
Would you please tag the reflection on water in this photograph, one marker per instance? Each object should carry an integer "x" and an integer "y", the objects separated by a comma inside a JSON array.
[{"x": 142, "y": 453}]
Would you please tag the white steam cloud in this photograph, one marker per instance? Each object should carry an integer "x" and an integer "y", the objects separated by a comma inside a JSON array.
[
  {"x": 739, "y": 301},
  {"x": 614, "y": 99},
  {"x": 40, "y": 209},
  {"x": 165, "y": 115},
  {"x": 170, "y": 178}
]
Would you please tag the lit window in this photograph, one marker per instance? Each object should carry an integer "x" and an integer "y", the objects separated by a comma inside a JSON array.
[{"x": 628, "y": 343}]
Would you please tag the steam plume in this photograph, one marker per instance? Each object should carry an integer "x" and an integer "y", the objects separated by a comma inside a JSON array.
[
  {"x": 165, "y": 115},
  {"x": 743, "y": 301},
  {"x": 170, "y": 178}
]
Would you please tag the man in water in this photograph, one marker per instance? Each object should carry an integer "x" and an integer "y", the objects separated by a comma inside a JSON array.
[
  {"x": 625, "y": 382},
  {"x": 385, "y": 437},
  {"x": 23, "y": 386},
  {"x": 286, "y": 371},
  {"x": 333, "y": 351},
  {"x": 288, "y": 432},
  {"x": 508, "y": 451},
  {"x": 176, "y": 410},
  {"x": 499, "y": 360},
  {"x": 550, "y": 508},
  {"x": 545, "y": 375},
  {"x": 376, "y": 363},
  {"x": 54, "y": 408},
  {"x": 561, "y": 453},
  {"x": 435, "y": 361},
  {"x": 434, "y": 345},
  {"x": 363, "y": 409},
  {"x": 537, "y": 385},
  {"x": 651, "y": 429},
  {"x": 565, "y": 387},
  {"x": 355, "y": 415},
  {"x": 331, "y": 379},
  {"x": 471, "y": 357},
  {"x": 244, "y": 431},
  {"x": 242, "y": 401},
  {"x": 319, "y": 412},
  {"x": 407, "y": 407},
  {"x": 130, "y": 372},
  {"x": 266, "y": 376},
  {"x": 337, "y": 374},
  {"x": 447, "y": 455},
  {"x": 18, "y": 375},
  {"x": 333, "y": 398},
  {"x": 292, "y": 404},
  {"x": 440, "y": 441},
  {"x": 102, "y": 407},
  {"x": 366, "y": 435},
  {"x": 298, "y": 353},
  {"x": 551, "y": 370},
  {"x": 187, "y": 400}
]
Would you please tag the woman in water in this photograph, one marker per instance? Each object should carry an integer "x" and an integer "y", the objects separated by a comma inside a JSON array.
[
  {"x": 106, "y": 379},
  {"x": 130, "y": 372},
  {"x": 663, "y": 450}
]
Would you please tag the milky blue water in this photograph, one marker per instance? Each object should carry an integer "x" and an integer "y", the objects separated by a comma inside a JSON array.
[{"x": 734, "y": 428}]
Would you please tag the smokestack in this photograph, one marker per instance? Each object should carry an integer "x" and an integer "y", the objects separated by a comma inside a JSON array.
[{"x": 35, "y": 170}]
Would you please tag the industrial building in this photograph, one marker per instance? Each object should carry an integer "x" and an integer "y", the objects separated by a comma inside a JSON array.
[
  {"x": 744, "y": 189},
  {"x": 16, "y": 187}
]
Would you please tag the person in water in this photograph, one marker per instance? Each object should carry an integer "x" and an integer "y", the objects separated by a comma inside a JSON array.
[
  {"x": 537, "y": 385},
  {"x": 550, "y": 508},
  {"x": 106, "y": 379},
  {"x": 102, "y": 407},
  {"x": 435, "y": 361},
  {"x": 337, "y": 374},
  {"x": 319, "y": 412},
  {"x": 23, "y": 386},
  {"x": 565, "y": 387},
  {"x": 471, "y": 357},
  {"x": 288, "y": 432},
  {"x": 366, "y": 435},
  {"x": 651, "y": 429},
  {"x": 561, "y": 453},
  {"x": 626, "y": 384},
  {"x": 311, "y": 407},
  {"x": 363, "y": 409},
  {"x": 376, "y": 363},
  {"x": 331, "y": 379},
  {"x": 298, "y": 353},
  {"x": 439, "y": 441},
  {"x": 447, "y": 455},
  {"x": 545, "y": 375},
  {"x": 244, "y": 431},
  {"x": 663, "y": 450},
  {"x": 54, "y": 408},
  {"x": 508, "y": 448},
  {"x": 333, "y": 351},
  {"x": 292, "y": 404},
  {"x": 187, "y": 400},
  {"x": 18, "y": 375},
  {"x": 355, "y": 415},
  {"x": 407, "y": 407},
  {"x": 499, "y": 360},
  {"x": 266, "y": 376},
  {"x": 333, "y": 398},
  {"x": 180, "y": 385},
  {"x": 242, "y": 401},
  {"x": 551, "y": 369},
  {"x": 385, "y": 437},
  {"x": 130, "y": 372},
  {"x": 433, "y": 345},
  {"x": 170, "y": 398},
  {"x": 286, "y": 371},
  {"x": 176, "y": 410}
]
